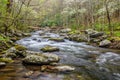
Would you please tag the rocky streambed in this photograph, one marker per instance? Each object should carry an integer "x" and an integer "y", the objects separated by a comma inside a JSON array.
[{"x": 51, "y": 56}]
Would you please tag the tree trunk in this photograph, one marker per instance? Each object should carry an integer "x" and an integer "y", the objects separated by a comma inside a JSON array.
[
  {"x": 109, "y": 19},
  {"x": 9, "y": 6}
]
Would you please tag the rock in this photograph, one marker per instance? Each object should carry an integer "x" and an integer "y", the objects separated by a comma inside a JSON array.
[
  {"x": 57, "y": 39},
  {"x": 94, "y": 40},
  {"x": 11, "y": 55},
  {"x": 49, "y": 49},
  {"x": 77, "y": 37},
  {"x": 90, "y": 31},
  {"x": 35, "y": 59},
  {"x": 11, "y": 50},
  {"x": 18, "y": 34},
  {"x": 2, "y": 64},
  {"x": 20, "y": 48},
  {"x": 26, "y": 34},
  {"x": 21, "y": 54},
  {"x": 51, "y": 57},
  {"x": 41, "y": 59},
  {"x": 58, "y": 68},
  {"x": 17, "y": 51},
  {"x": 6, "y": 60},
  {"x": 97, "y": 34},
  {"x": 105, "y": 43},
  {"x": 66, "y": 30},
  {"x": 64, "y": 68},
  {"x": 28, "y": 74},
  {"x": 14, "y": 39}
]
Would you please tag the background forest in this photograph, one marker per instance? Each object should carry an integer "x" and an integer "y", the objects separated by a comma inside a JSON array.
[{"x": 102, "y": 15}]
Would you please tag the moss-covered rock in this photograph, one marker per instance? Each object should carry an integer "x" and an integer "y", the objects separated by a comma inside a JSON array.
[
  {"x": 6, "y": 60},
  {"x": 11, "y": 55},
  {"x": 57, "y": 39},
  {"x": 41, "y": 59},
  {"x": 49, "y": 49},
  {"x": 21, "y": 54},
  {"x": 105, "y": 43},
  {"x": 17, "y": 51},
  {"x": 20, "y": 48},
  {"x": 77, "y": 37}
]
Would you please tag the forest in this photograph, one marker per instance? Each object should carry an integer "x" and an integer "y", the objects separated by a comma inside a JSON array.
[{"x": 59, "y": 39}]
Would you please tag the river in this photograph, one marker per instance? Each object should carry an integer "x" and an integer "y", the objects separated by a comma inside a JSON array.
[{"x": 91, "y": 63}]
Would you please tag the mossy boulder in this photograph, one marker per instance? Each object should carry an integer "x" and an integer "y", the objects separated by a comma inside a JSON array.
[
  {"x": 6, "y": 60},
  {"x": 41, "y": 59},
  {"x": 16, "y": 51},
  {"x": 105, "y": 43},
  {"x": 57, "y": 39},
  {"x": 77, "y": 37},
  {"x": 11, "y": 55},
  {"x": 20, "y": 48},
  {"x": 49, "y": 49}
]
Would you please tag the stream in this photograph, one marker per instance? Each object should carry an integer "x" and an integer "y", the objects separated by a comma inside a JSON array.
[{"x": 91, "y": 63}]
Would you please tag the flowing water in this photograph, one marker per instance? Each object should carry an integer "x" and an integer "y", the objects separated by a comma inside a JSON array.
[{"x": 91, "y": 63}]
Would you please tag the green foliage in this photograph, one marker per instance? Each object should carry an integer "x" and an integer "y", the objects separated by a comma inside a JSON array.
[
  {"x": 4, "y": 38},
  {"x": 55, "y": 21}
]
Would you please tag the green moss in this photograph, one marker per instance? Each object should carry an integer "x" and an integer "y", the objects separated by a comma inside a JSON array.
[
  {"x": 57, "y": 39},
  {"x": 49, "y": 49},
  {"x": 6, "y": 60},
  {"x": 20, "y": 48},
  {"x": 74, "y": 32}
]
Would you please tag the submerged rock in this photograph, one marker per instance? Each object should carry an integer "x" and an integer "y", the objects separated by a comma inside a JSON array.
[
  {"x": 57, "y": 39},
  {"x": 105, "y": 43},
  {"x": 40, "y": 59},
  {"x": 49, "y": 49},
  {"x": 58, "y": 68},
  {"x": 64, "y": 68}
]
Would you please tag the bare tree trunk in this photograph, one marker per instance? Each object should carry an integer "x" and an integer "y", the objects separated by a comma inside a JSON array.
[
  {"x": 8, "y": 10},
  {"x": 108, "y": 17}
]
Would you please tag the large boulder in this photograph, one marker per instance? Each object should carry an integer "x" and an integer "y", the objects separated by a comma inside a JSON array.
[
  {"x": 97, "y": 34},
  {"x": 41, "y": 59},
  {"x": 105, "y": 43},
  {"x": 49, "y": 49},
  {"x": 16, "y": 51},
  {"x": 77, "y": 37},
  {"x": 93, "y": 34}
]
